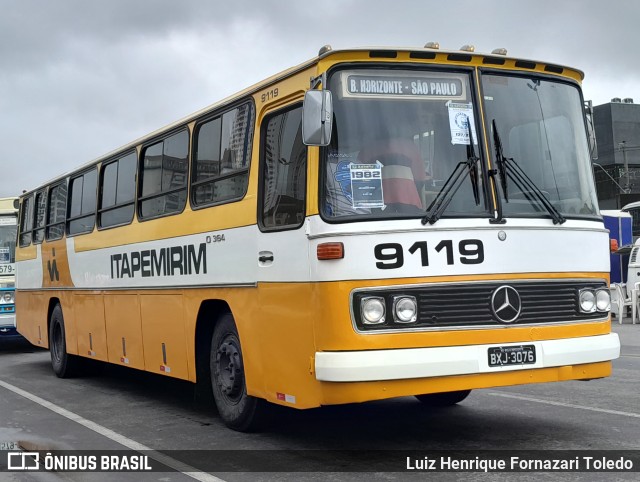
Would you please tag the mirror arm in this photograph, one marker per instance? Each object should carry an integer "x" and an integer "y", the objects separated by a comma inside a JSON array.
[
  {"x": 320, "y": 79},
  {"x": 591, "y": 129}
]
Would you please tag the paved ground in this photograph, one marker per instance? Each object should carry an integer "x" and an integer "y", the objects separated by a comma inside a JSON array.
[{"x": 629, "y": 334}]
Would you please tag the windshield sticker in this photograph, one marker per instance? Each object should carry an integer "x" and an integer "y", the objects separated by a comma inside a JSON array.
[
  {"x": 341, "y": 174},
  {"x": 392, "y": 86},
  {"x": 5, "y": 256},
  {"x": 366, "y": 185},
  {"x": 459, "y": 117},
  {"x": 8, "y": 221}
]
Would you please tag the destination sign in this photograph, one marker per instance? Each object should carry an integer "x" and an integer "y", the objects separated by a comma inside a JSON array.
[{"x": 386, "y": 85}]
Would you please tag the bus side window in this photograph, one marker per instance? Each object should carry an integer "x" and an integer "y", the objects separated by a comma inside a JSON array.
[
  {"x": 164, "y": 176},
  {"x": 40, "y": 212},
  {"x": 118, "y": 192},
  {"x": 283, "y": 171},
  {"x": 56, "y": 212},
  {"x": 82, "y": 207},
  {"x": 26, "y": 221},
  {"x": 222, "y": 156}
]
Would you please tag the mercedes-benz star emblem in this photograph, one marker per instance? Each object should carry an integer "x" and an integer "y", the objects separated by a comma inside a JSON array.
[{"x": 506, "y": 304}]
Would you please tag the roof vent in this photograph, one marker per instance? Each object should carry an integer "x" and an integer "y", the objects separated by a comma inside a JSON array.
[
  {"x": 627, "y": 100},
  {"x": 432, "y": 45},
  {"x": 616, "y": 100}
]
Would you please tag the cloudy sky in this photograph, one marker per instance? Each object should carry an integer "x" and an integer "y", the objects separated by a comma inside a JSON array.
[{"x": 79, "y": 78}]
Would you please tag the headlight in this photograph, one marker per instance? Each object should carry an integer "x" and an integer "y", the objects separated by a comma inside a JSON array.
[
  {"x": 405, "y": 309},
  {"x": 8, "y": 297},
  {"x": 587, "y": 301},
  {"x": 372, "y": 310},
  {"x": 603, "y": 300}
]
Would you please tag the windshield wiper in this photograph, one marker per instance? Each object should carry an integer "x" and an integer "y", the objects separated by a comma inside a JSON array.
[
  {"x": 507, "y": 168},
  {"x": 453, "y": 183}
]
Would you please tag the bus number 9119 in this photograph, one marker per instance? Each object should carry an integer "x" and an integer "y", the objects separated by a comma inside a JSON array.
[{"x": 391, "y": 255}]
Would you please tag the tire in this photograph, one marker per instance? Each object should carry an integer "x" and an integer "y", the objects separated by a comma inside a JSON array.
[
  {"x": 238, "y": 410},
  {"x": 446, "y": 399},
  {"x": 63, "y": 364}
]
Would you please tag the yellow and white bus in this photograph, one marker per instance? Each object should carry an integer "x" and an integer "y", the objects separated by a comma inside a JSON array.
[
  {"x": 8, "y": 228},
  {"x": 372, "y": 223}
]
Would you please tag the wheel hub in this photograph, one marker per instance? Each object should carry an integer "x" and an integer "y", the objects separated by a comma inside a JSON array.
[{"x": 229, "y": 373}]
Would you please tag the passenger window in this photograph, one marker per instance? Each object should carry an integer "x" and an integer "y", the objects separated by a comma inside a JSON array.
[
  {"x": 40, "y": 206},
  {"x": 164, "y": 176},
  {"x": 283, "y": 171},
  {"x": 117, "y": 200},
  {"x": 56, "y": 212},
  {"x": 82, "y": 209},
  {"x": 26, "y": 221},
  {"x": 222, "y": 157}
]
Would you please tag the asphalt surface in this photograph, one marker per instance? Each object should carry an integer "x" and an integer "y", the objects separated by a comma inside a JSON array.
[{"x": 119, "y": 409}]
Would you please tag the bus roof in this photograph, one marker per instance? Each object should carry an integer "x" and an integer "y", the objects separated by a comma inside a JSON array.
[
  {"x": 630, "y": 206},
  {"x": 456, "y": 57},
  {"x": 497, "y": 57}
]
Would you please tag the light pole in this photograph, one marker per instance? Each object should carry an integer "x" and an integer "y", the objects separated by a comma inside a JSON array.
[{"x": 627, "y": 184}]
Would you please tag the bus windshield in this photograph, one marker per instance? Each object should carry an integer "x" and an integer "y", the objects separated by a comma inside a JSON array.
[
  {"x": 7, "y": 245},
  {"x": 398, "y": 136},
  {"x": 540, "y": 126}
]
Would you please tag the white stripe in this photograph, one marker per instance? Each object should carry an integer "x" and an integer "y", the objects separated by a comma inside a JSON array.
[
  {"x": 116, "y": 437},
  {"x": 567, "y": 405}
]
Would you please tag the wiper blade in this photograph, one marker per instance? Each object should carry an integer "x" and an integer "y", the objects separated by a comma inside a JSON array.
[
  {"x": 453, "y": 183},
  {"x": 473, "y": 169},
  {"x": 531, "y": 191},
  {"x": 508, "y": 168},
  {"x": 500, "y": 161},
  {"x": 502, "y": 171}
]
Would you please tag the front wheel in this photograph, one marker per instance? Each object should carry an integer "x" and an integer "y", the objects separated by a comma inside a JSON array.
[
  {"x": 238, "y": 410},
  {"x": 445, "y": 399},
  {"x": 64, "y": 365}
]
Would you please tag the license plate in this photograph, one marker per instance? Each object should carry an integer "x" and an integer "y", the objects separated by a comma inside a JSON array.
[{"x": 502, "y": 356}]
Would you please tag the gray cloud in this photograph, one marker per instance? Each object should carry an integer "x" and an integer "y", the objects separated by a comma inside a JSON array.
[{"x": 80, "y": 78}]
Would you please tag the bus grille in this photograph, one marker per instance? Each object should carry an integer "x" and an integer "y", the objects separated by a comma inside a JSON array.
[{"x": 469, "y": 304}]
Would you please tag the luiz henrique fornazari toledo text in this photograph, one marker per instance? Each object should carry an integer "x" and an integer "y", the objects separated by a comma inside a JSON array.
[{"x": 517, "y": 464}]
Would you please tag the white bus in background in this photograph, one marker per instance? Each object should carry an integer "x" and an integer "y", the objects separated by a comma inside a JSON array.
[
  {"x": 633, "y": 209},
  {"x": 8, "y": 226}
]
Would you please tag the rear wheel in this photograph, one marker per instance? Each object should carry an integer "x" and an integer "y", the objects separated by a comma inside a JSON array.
[
  {"x": 445, "y": 399},
  {"x": 238, "y": 410},
  {"x": 63, "y": 364}
]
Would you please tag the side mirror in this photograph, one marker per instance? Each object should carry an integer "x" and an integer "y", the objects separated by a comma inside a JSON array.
[
  {"x": 317, "y": 118},
  {"x": 591, "y": 131}
]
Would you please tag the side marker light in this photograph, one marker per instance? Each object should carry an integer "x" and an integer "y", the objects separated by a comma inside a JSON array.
[{"x": 330, "y": 251}]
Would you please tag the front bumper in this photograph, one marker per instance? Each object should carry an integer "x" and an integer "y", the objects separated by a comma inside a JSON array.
[{"x": 412, "y": 363}]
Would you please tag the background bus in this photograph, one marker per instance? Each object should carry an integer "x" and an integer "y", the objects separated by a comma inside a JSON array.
[
  {"x": 8, "y": 228},
  {"x": 634, "y": 210},
  {"x": 372, "y": 223}
]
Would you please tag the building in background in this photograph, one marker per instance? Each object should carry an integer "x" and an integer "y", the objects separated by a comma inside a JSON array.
[{"x": 617, "y": 170}]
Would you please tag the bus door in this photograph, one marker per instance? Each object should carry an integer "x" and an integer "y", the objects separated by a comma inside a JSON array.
[
  {"x": 282, "y": 244},
  {"x": 283, "y": 259}
]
